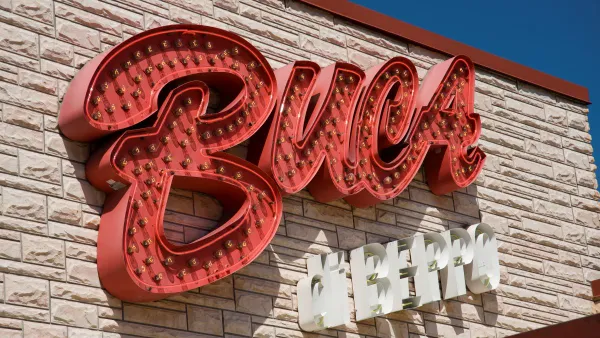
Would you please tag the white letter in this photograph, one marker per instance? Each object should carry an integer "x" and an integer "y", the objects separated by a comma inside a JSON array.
[
  {"x": 369, "y": 266},
  {"x": 399, "y": 274},
  {"x": 483, "y": 274},
  {"x": 428, "y": 286},
  {"x": 322, "y": 296},
  {"x": 461, "y": 253}
]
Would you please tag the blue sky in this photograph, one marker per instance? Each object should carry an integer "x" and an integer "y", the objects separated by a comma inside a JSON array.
[{"x": 561, "y": 38}]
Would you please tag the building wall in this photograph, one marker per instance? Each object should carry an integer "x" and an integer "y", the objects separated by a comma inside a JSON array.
[{"x": 538, "y": 190}]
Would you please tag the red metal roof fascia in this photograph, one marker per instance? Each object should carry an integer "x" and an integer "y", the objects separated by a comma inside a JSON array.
[{"x": 395, "y": 27}]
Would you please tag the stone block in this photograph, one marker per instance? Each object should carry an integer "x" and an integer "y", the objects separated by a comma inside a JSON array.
[
  {"x": 23, "y": 204},
  {"x": 237, "y": 323},
  {"x": 72, "y": 233},
  {"x": 74, "y": 313},
  {"x": 160, "y": 317},
  {"x": 262, "y": 286},
  {"x": 10, "y": 249},
  {"x": 253, "y": 303},
  {"x": 43, "y": 250},
  {"x": 61, "y": 210},
  {"x": 328, "y": 213},
  {"x": 23, "y": 118},
  {"x": 38, "y": 166},
  {"x": 82, "y": 273},
  {"x": 205, "y": 320},
  {"x": 27, "y": 291}
]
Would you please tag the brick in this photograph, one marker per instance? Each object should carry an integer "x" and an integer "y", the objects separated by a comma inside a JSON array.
[
  {"x": 80, "y": 251},
  {"x": 262, "y": 286},
  {"x": 350, "y": 239},
  {"x": 181, "y": 15},
  {"x": 584, "y": 203},
  {"x": 31, "y": 270},
  {"x": 40, "y": 10},
  {"x": 61, "y": 210},
  {"x": 80, "y": 272},
  {"x": 9, "y": 164},
  {"x": 552, "y": 210},
  {"x": 10, "y": 249},
  {"x": 254, "y": 304},
  {"x": 26, "y": 23},
  {"x": 524, "y": 108},
  {"x": 56, "y": 50},
  {"x": 23, "y": 204},
  {"x": 205, "y": 320},
  {"x": 327, "y": 213},
  {"x": 109, "y": 11},
  {"x": 83, "y": 333},
  {"x": 587, "y": 218},
  {"x": 22, "y": 117},
  {"x": 27, "y": 291},
  {"x": 204, "y": 300},
  {"x": 37, "y": 82},
  {"x": 88, "y": 19},
  {"x": 57, "y": 70},
  {"x": 426, "y": 197},
  {"x": 323, "y": 48},
  {"x": 82, "y": 191},
  {"x": 127, "y": 328},
  {"x": 21, "y": 137},
  {"x": 60, "y": 146},
  {"x": 237, "y": 323},
  {"x": 43, "y": 250},
  {"x": 577, "y": 160},
  {"x": 77, "y": 34},
  {"x": 504, "y": 199},
  {"x": 581, "y": 147},
  {"x": 318, "y": 16},
  {"x": 9, "y": 333},
  {"x": 575, "y": 304},
  {"x": 38, "y": 166},
  {"x": 311, "y": 234},
  {"x": 544, "y": 150},
  {"x": 204, "y": 7},
  {"x": 269, "y": 32},
  {"x": 74, "y": 313},
  {"x": 146, "y": 315},
  {"x": 542, "y": 228},
  {"x": 527, "y": 295},
  {"x": 39, "y": 330},
  {"x": 563, "y": 271},
  {"x": 72, "y": 233},
  {"x": 153, "y": 21},
  {"x": 84, "y": 294},
  {"x": 533, "y": 168},
  {"x": 573, "y": 233},
  {"x": 231, "y": 5},
  {"x": 18, "y": 60},
  {"x": 22, "y": 312},
  {"x": 578, "y": 121},
  {"x": 28, "y": 98},
  {"x": 521, "y": 263},
  {"x": 391, "y": 328},
  {"x": 19, "y": 40},
  {"x": 251, "y": 12},
  {"x": 30, "y": 185}
]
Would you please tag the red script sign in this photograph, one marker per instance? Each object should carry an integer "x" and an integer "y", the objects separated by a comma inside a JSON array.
[{"x": 340, "y": 131}]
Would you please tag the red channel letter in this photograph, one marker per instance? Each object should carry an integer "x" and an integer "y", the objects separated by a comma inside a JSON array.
[
  {"x": 369, "y": 132},
  {"x": 161, "y": 77}
]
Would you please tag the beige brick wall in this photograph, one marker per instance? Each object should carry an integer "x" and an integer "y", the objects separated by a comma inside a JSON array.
[{"x": 538, "y": 190}]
